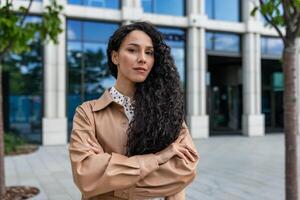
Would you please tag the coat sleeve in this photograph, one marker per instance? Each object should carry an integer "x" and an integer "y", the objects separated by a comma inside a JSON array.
[
  {"x": 96, "y": 174},
  {"x": 170, "y": 179}
]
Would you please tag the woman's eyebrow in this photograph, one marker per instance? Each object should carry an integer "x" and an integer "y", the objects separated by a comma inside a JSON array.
[{"x": 135, "y": 44}]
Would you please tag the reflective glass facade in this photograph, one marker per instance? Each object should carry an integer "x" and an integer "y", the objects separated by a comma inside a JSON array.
[
  {"x": 271, "y": 46},
  {"x": 23, "y": 91},
  {"x": 272, "y": 94},
  {"x": 164, "y": 7},
  {"x": 112, "y": 4},
  {"x": 88, "y": 73},
  {"x": 176, "y": 38},
  {"x": 228, "y": 10},
  {"x": 224, "y": 91},
  {"x": 272, "y": 83},
  {"x": 223, "y": 42}
]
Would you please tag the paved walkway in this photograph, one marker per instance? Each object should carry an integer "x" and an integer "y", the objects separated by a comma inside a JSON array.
[{"x": 231, "y": 168}]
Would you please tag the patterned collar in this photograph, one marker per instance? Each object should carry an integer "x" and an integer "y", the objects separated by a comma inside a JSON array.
[{"x": 123, "y": 101}]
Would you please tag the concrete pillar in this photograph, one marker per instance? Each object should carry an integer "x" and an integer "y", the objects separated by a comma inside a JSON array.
[
  {"x": 131, "y": 11},
  {"x": 252, "y": 119},
  {"x": 197, "y": 118},
  {"x": 137, "y": 3},
  {"x": 298, "y": 79},
  {"x": 54, "y": 119}
]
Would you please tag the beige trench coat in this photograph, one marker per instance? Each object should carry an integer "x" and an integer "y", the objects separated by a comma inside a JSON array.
[{"x": 111, "y": 175}]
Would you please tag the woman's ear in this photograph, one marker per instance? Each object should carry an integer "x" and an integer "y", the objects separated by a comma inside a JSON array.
[{"x": 115, "y": 57}]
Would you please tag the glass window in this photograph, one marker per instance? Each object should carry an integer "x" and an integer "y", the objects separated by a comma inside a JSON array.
[
  {"x": 209, "y": 38},
  {"x": 223, "y": 42},
  {"x": 23, "y": 89},
  {"x": 147, "y": 6},
  {"x": 272, "y": 94},
  {"x": 96, "y": 32},
  {"x": 165, "y": 7},
  {"x": 271, "y": 46},
  {"x": 175, "y": 38},
  {"x": 74, "y": 30},
  {"x": 88, "y": 73},
  {"x": 277, "y": 81},
  {"x": 228, "y": 10},
  {"x": 112, "y": 4},
  {"x": 76, "y": 2}
]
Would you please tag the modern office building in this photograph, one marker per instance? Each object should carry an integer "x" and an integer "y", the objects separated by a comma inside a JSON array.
[{"x": 229, "y": 64}]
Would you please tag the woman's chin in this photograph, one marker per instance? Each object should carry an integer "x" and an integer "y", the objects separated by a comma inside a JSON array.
[{"x": 139, "y": 79}]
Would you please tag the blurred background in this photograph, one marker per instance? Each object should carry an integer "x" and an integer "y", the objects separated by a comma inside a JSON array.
[{"x": 228, "y": 61}]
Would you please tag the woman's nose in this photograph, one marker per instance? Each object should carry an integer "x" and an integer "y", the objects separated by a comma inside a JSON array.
[{"x": 142, "y": 57}]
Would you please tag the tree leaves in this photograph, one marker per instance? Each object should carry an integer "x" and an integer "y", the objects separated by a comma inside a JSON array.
[
  {"x": 15, "y": 35},
  {"x": 272, "y": 9},
  {"x": 254, "y": 11},
  {"x": 297, "y": 4},
  {"x": 50, "y": 26},
  {"x": 281, "y": 14}
]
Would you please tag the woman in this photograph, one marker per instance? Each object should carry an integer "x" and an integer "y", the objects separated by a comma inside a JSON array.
[{"x": 132, "y": 142}]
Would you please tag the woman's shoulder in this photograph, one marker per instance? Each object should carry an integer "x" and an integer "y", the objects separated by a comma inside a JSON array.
[
  {"x": 87, "y": 106},
  {"x": 96, "y": 104}
]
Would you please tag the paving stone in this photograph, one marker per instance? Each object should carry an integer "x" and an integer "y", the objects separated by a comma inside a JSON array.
[{"x": 230, "y": 168}]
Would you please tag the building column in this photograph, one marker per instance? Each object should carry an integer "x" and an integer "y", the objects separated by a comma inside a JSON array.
[
  {"x": 298, "y": 79},
  {"x": 253, "y": 119},
  {"x": 197, "y": 118},
  {"x": 131, "y": 11},
  {"x": 54, "y": 119}
]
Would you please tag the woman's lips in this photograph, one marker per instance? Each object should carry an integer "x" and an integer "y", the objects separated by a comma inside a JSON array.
[{"x": 140, "y": 69}]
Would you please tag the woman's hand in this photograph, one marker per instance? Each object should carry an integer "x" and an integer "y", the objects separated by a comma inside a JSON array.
[
  {"x": 183, "y": 151},
  {"x": 93, "y": 146}
]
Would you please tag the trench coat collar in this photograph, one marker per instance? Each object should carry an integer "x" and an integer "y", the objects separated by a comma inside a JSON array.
[{"x": 103, "y": 101}]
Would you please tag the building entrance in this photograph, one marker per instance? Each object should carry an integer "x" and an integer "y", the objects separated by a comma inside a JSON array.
[
  {"x": 224, "y": 95},
  {"x": 272, "y": 95}
]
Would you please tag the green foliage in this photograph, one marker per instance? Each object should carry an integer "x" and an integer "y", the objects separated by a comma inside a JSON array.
[
  {"x": 281, "y": 14},
  {"x": 272, "y": 9},
  {"x": 254, "y": 11},
  {"x": 12, "y": 142},
  {"x": 15, "y": 35},
  {"x": 297, "y": 4},
  {"x": 51, "y": 22}
]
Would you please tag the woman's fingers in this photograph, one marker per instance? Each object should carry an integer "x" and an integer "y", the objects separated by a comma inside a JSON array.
[
  {"x": 192, "y": 151},
  {"x": 93, "y": 146},
  {"x": 92, "y": 143},
  {"x": 179, "y": 139},
  {"x": 187, "y": 153},
  {"x": 96, "y": 150},
  {"x": 182, "y": 156}
]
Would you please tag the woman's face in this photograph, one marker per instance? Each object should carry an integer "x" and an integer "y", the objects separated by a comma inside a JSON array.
[{"x": 135, "y": 57}]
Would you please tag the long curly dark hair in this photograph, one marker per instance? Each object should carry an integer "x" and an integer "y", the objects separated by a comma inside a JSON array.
[{"x": 158, "y": 101}]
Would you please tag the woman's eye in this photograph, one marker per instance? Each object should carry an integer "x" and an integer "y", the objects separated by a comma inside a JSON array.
[
  {"x": 149, "y": 53},
  {"x": 131, "y": 50}
]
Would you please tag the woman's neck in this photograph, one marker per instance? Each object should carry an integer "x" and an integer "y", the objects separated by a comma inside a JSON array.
[{"x": 126, "y": 88}]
